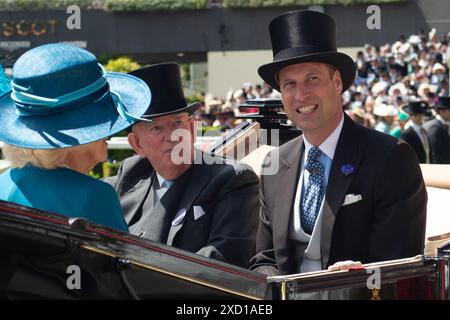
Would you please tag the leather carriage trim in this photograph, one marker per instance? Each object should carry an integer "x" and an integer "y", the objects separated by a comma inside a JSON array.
[
  {"x": 261, "y": 279},
  {"x": 146, "y": 266},
  {"x": 32, "y": 215}
]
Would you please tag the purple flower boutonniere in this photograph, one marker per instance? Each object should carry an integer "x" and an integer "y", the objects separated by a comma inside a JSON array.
[{"x": 347, "y": 169}]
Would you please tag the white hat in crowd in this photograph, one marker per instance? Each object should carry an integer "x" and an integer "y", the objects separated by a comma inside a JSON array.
[{"x": 384, "y": 110}]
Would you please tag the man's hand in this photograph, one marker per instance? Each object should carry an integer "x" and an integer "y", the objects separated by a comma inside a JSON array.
[{"x": 344, "y": 265}]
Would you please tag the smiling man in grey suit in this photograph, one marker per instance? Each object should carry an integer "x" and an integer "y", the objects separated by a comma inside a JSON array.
[
  {"x": 170, "y": 195},
  {"x": 343, "y": 192}
]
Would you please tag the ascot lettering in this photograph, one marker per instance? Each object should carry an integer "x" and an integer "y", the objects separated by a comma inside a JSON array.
[{"x": 26, "y": 28}]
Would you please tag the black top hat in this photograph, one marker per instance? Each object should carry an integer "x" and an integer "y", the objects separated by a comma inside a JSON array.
[
  {"x": 444, "y": 103},
  {"x": 305, "y": 36},
  {"x": 416, "y": 107},
  {"x": 164, "y": 80}
]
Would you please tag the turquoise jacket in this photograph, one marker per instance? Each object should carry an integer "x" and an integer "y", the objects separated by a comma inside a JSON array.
[
  {"x": 396, "y": 132},
  {"x": 63, "y": 191}
]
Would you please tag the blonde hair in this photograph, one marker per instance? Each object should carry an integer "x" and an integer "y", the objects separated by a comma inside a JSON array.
[{"x": 42, "y": 158}]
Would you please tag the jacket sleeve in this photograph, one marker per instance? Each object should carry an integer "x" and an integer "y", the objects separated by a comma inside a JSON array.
[
  {"x": 117, "y": 180},
  {"x": 400, "y": 199},
  {"x": 437, "y": 147},
  {"x": 114, "y": 180},
  {"x": 264, "y": 260},
  {"x": 235, "y": 214}
]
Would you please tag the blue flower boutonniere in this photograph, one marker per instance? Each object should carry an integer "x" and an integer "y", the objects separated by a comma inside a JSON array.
[{"x": 347, "y": 169}]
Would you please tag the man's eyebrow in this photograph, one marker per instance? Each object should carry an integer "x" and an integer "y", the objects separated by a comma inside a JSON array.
[
  {"x": 287, "y": 79},
  {"x": 311, "y": 73},
  {"x": 152, "y": 124}
]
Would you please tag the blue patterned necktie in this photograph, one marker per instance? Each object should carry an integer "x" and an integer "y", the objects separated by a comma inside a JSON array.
[{"x": 312, "y": 197}]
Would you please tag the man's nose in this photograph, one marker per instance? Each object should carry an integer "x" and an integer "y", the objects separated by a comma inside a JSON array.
[
  {"x": 301, "y": 93},
  {"x": 173, "y": 135},
  {"x": 169, "y": 136}
]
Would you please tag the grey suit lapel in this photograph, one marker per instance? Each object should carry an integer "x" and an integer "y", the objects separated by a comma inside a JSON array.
[
  {"x": 188, "y": 187},
  {"x": 287, "y": 185},
  {"x": 133, "y": 200},
  {"x": 348, "y": 152}
]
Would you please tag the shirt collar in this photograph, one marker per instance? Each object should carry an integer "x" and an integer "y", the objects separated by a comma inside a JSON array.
[
  {"x": 414, "y": 126},
  {"x": 328, "y": 147},
  {"x": 160, "y": 180}
]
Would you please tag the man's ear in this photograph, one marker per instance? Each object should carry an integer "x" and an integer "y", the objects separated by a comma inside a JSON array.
[
  {"x": 133, "y": 140},
  {"x": 337, "y": 82},
  {"x": 193, "y": 128}
]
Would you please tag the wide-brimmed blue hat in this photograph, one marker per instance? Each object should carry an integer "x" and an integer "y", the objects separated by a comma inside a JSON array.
[{"x": 62, "y": 97}]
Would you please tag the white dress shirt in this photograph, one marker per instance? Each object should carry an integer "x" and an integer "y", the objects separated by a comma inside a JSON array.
[{"x": 312, "y": 255}]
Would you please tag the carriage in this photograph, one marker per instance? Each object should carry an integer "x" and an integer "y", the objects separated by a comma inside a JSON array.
[{"x": 48, "y": 256}]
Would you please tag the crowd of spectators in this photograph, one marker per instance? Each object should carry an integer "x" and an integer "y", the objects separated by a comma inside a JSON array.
[{"x": 411, "y": 69}]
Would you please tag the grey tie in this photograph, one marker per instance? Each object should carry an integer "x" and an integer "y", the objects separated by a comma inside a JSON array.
[
  {"x": 164, "y": 187},
  {"x": 167, "y": 183}
]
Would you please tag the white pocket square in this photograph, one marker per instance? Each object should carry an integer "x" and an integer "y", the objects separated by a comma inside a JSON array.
[
  {"x": 351, "y": 198},
  {"x": 198, "y": 212}
]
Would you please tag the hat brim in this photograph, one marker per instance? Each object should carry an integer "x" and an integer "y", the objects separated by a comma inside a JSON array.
[
  {"x": 442, "y": 107},
  {"x": 410, "y": 111},
  {"x": 385, "y": 110},
  {"x": 190, "y": 109},
  {"x": 341, "y": 61},
  {"x": 79, "y": 125}
]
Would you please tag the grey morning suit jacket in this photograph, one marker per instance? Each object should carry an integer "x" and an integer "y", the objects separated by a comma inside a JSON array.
[{"x": 226, "y": 193}]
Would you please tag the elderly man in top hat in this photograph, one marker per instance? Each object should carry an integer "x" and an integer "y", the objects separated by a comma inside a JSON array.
[
  {"x": 168, "y": 194},
  {"x": 415, "y": 135},
  {"x": 343, "y": 193},
  {"x": 438, "y": 131}
]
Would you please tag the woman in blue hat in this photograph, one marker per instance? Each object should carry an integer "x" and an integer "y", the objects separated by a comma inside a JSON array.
[{"x": 55, "y": 121}]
